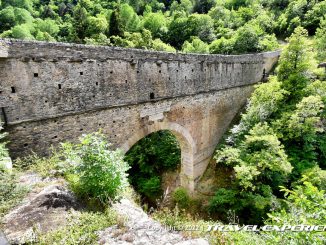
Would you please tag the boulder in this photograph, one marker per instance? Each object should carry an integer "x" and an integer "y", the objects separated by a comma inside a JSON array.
[{"x": 39, "y": 213}]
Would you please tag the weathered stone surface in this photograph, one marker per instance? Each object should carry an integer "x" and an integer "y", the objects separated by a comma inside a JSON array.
[
  {"x": 141, "y": 230},
  {"x": 43, "y": 211},
  {"x": 3, "y": 239},
  {"x": 53, "y": 92}
]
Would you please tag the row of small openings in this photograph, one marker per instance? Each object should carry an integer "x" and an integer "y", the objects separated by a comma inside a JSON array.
[
  {"x": 111, "y": 72},
  {"x": 36, "y": 74}
]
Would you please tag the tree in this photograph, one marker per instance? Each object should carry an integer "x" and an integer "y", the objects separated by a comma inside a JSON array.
[
  {"x": 222, "y": 46},
  {"x": 115, "y": 28},
  {"x": 159, "y": 45},
  {"x": 306, "y": 204},
  {"x": 80, "y": 22},
  {"x": 149, "y": 158},
  {"x": 47, "y": 26},
  {"x": 294, "y": 63},
  {"x": 130, "y": 21},
  {"x": 202, "y": 26},
  {"x": 195, "y": 46},
  {"x": 247, "y": 39},
  {"x": 203, "y": 6},
  {"x": 22, "y": 32},
  {"x": 178, "y": 32},
  {"x": 96, "y": 25},
  {"x": 7, "y": 18},
  {"x": 184, "y": 6},
  {"x": 156, "y": 24},
  {"x": 321, "y": 40}
]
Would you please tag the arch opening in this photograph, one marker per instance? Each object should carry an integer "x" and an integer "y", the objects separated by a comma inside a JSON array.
[
  {"x": 155, "y": 162},
  {"x": 186, "y": 144}
]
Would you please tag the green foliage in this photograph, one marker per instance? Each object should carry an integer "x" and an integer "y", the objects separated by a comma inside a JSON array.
[
  {"x": 240, "y": 26},
  {"x": 96, "y": 25},
  {"x": 222, "y": 46},
  {"x": 96, "y": 171},
  {"x": 181, "y": 198},
  {"x": 149, "y": 158},
  {"x": 294, "y": 63},
  {"x": 3, "y": 149},
  {"x": 159, "y": 45},
  {"x": 259, "y": 162},
  {"x": 265, "y": 102},
  {"x": 279, "y": 138},
  {"x": 150, "y": 187},
  {"x": 247, "y": 39},
  {"x": 130, "y": 21},
  {"x": 259, "y": 154},
  {"x": 306, "y": 204},
  {"x": 81, "y": 228},
  {"x": 52, "y": 166},
  {"x": 195, "y": 46},
  {"x": 156, "y": 23},
  {"x": 321, "y": 40},
  {"x": 11, "y": 193}
]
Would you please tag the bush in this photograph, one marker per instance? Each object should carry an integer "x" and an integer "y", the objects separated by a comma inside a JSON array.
[
  {"x": 181, "y": 198},
  {"x": 306, "y": 204},
  {"x": 151, "y": 187},
  {"x": 96, "y": 171}
]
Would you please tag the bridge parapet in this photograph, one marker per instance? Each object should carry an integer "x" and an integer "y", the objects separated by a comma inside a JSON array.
[{"x": 44, "y": 80}]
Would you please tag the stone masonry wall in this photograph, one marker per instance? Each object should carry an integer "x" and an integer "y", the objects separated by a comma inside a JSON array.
[{"x": 52, "y": 92}]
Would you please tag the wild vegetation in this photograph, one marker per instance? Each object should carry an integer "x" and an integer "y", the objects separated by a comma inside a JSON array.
[{"x": 209, "y": 26}]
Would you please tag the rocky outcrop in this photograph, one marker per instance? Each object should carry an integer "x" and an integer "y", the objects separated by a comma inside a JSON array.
[
  {"x": 40, "y": 212},
  {"x": 46, "y": 208},
  {"x": 140, "y": 229}
]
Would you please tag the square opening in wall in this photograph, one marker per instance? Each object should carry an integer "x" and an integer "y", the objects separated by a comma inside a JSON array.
[{"x": 35, "y": 74}]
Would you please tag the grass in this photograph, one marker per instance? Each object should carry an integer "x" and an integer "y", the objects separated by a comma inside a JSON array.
[
  {"x": 194, "y": 227},
  {"x": 80, "y": 228},
  {"x": 11, "y": 193},
  {"x": 44, "y": 166}
]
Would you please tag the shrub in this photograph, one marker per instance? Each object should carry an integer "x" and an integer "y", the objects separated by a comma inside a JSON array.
[
  {"x": 96, "y": 171},
  {"x": 151, "y": 187},
  {"x": 181, "y": 198},
  {"x": 306, "y": 204}
]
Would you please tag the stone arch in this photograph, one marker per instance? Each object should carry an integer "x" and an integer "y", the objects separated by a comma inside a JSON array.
[{"x": 186, "y": 142}]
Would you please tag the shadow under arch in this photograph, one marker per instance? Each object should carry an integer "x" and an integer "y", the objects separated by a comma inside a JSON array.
[{"x": 185, "y": 140}]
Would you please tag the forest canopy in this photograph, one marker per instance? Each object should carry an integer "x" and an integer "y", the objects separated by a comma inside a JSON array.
[{"x": 196, "y": 26}]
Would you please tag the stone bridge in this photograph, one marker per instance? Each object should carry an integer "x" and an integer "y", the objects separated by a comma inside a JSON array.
[{"x": 54, "y": 92}]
